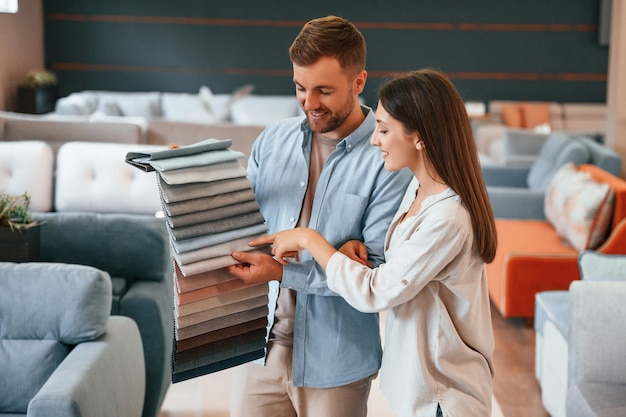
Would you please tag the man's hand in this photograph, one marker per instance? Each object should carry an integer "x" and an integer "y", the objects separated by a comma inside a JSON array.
[{"x": 257, "y": 268}]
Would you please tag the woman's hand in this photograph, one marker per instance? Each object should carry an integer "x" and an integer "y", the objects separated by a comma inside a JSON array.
[
  {"x": 289, "y": 242},
  {"x": 285, "y": 244},
  {"x": 356, "y": 250}
]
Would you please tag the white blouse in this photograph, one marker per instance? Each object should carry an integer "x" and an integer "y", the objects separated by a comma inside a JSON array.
[{"x": 438, "y": 335}]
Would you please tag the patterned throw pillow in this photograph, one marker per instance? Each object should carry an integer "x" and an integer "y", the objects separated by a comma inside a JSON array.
[{"x": 579, "y": 208}]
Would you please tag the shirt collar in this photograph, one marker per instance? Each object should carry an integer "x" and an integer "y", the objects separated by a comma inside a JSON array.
[{"x": 361, "y": 133}]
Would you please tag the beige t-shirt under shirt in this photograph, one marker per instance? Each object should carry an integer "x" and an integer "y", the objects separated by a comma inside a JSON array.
[{"x": 282, "y": 330}]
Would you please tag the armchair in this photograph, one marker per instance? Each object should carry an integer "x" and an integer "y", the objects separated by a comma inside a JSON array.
[
  {"x": 576, "y": 334},
  {"x": 518, "y": 192},
  {"x": 61, "y": 353},
  {"x": 134, "y": 250},
  {"x": 597, "y": 366}
]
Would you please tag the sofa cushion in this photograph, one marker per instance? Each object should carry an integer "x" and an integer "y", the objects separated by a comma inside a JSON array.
[
  {"x": 81, "y": 103},
  {"x": 95, "y": 177},
  {"x": 512, "y": 115},
  {"x": 263, "y": 109},
  {"x": 536, "y": 114},
  {"x": 27, "y": 166},
  {"x": 558, "y": 149},
  {"x": 602, "y": 267},
  {"x": 141, "y": 104},
  {"x": 69, "y": 317},
  {"x": 579, "y": 208},
  {"x": 25, "y": 365},
  {"x": 184, "y": 107}
]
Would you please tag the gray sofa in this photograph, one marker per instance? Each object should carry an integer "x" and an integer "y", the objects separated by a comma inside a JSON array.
[
  {"x": 519, "y": 192},
  {"x": 579, "y": 341},
  {"x": 61, "y": 353},
  {"x": 100, "y": 211},
  {"x": 134, "y": 250}
]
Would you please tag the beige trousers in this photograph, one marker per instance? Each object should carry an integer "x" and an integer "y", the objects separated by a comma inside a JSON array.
[{"x": 267, "y": 391}]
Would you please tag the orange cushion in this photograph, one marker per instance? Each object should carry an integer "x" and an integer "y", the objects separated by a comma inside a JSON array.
[
  {"x": 512, "y": 115},
  {"x": 535, "y": 114}
]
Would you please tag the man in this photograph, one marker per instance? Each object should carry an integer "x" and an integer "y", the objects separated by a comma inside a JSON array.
[{"x": 320, "y": 172}]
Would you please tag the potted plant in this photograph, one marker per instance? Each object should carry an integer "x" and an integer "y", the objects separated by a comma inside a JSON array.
[
  {"x": 38, "y": 92},
  {"x": 19, "y": 233}
]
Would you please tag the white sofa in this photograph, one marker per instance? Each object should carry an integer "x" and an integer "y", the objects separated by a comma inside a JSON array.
[{"x": 240, "y": 107}]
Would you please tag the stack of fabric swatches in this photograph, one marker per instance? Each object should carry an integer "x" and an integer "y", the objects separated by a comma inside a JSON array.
[{"x": 210, "y": 211}]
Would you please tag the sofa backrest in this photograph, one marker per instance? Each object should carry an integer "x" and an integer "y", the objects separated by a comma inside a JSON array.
[
  {"x": 602, "y": 156},
  {"x": 129, "y": 246},
  {"x": 45, "y": 308},
  {"x": 28, "y": 166},
  {"x": 557, "y": 150},
  {"x": 58, "y": 130},
  {"x": 94, "y": 177}
]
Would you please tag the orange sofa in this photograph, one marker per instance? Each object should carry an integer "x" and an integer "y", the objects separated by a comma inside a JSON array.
[{"x": 531, "y": 257}]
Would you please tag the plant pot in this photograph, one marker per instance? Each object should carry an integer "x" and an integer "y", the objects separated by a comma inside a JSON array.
[{"x": 19, "y": 245}]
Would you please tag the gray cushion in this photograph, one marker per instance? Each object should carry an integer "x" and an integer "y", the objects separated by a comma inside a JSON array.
[
  {"x": 68, "y": 303},
  {"x": 557, "y": 151},
  {"x": 552, "y": 306},
  {"x": 25, "y": 365}
]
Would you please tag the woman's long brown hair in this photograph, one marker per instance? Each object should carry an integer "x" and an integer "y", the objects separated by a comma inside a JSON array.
[{"x": 426, "y": 102}]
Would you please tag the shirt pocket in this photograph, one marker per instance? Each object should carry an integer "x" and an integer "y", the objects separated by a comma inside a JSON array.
[{"x": 343, "y": 216}]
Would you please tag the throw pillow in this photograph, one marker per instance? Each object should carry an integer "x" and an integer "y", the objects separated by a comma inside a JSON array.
[
  {"x": 579, "y": 208},
  {"x": 535, "y": 114},
  {"x": 184, "y": 107},
  {"x": 512, "y": 115},
  {"x": 219, "y": 105}
]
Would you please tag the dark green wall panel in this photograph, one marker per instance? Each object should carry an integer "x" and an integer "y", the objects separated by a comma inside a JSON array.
[{"x": 492, "y": 49}]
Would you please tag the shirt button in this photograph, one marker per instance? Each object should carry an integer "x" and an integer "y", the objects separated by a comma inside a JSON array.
[
  {"x": 292, "y": 219},
  {"x": 302, "y": 184},
  {"x": 405, "y": 282}
]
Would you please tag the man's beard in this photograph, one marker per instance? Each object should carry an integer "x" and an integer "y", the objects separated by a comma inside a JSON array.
[{"x": 335, "y": 120}]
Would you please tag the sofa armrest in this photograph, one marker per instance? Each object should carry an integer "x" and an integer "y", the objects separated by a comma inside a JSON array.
[
  {"x": 506, "y": 176},
  {"x": 150, "y": 304},
  {"x": 516, "y": 203},
  {"x": 101, "y": 378},
  {"x": 597, "y": 369}
]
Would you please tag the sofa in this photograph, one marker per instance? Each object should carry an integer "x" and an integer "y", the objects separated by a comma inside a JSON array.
[
  {"x": 101, "y": 213},
  {"x": 56, "y": 130},
  {"x": 518, "y": 192},
  {"x": 585, "y": 209},
  {"x": 587, "y": 119},
  {"x": 61, "y": 352},
  {"x": 240, "y": 107},
  {"x": 579, "y": 361}
]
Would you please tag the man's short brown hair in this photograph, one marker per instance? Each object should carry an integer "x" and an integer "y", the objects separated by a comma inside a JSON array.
[{"x": 329, "y": 36}]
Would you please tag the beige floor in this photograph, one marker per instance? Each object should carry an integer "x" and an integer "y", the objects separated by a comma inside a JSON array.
[{"x": 209, "y": 396}]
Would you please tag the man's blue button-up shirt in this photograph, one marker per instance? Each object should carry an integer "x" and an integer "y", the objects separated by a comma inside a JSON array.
[{"x": 334, "y": 344}]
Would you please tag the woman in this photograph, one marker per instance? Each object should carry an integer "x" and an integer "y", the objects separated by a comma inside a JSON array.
[{"x": 438, "y": 350}]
